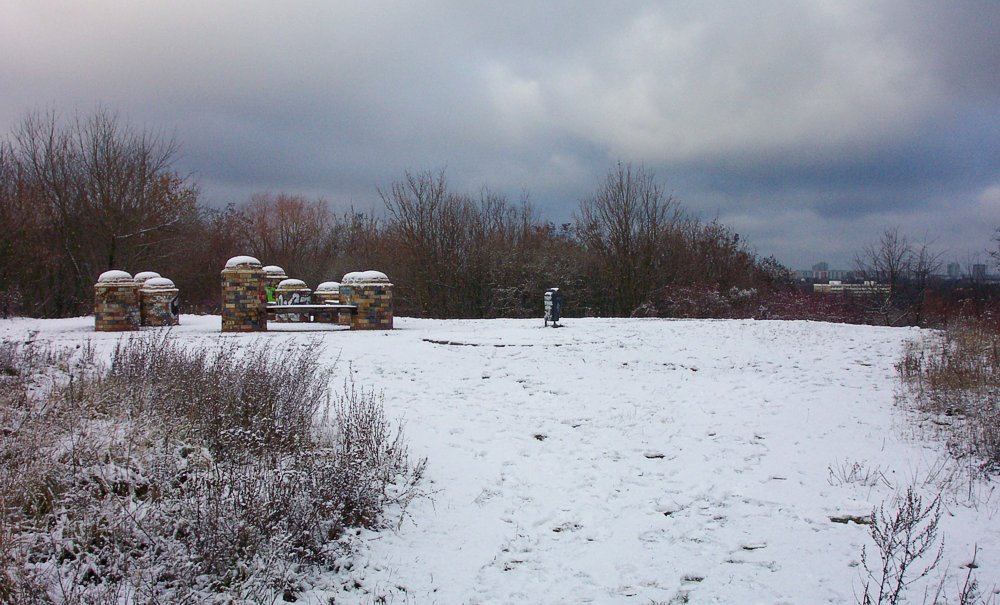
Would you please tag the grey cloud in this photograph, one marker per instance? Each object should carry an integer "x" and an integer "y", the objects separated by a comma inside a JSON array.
[{"x": 846, "y": 113}]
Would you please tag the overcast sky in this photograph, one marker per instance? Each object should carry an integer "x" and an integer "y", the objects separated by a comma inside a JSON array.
[{"x": 806, "y": 126}]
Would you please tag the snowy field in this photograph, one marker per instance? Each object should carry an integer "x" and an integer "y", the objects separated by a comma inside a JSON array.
[{"x": 633, "y": 461}]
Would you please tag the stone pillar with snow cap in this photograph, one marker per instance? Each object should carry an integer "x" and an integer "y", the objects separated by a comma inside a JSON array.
[
  {"x": 273, "y": 275},
  {"x": 328, "y": 292},
  {"x": 244, "y": 301},
  {"x": 371, "y": 291},
  {"x": 141, "y": 277},
  {"x": 158, "y": 302},
  {"x": 292, "y": 292},
  {"x": 116, "y": 302}
]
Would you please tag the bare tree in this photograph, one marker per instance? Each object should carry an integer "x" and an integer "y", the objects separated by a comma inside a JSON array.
[
  {"x": 292, "y": 232},
  {"x": 215, "y": 236},
  {"x": 624, "y": 228},
  {"x": 906, "y": 268},
  {"x": 885, "y": 261},
  {"x": 359, "y": 242},
  {"x": 431, "y": 229},
  {"x": 996, "y": 253},
  {"x": 19, "y": 232},
  {"x": 105, "y": 195},
  {"x": 458, "y": 255},
  {"x": 924, "y": 263}
]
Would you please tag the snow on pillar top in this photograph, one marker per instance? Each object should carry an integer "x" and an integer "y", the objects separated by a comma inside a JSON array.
[
  {"x": 142, "y": 276},
  {"x": 113, "y": 276},
  {"x": 242, "y": 261},
  {"x": 366, "y": 278},
  {"x": 287, "y": 284},
  {"x": 158, "y": 283},
  {"x": 274, "y": 271}
]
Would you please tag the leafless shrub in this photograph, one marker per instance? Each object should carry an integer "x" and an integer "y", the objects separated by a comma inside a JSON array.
[
  {"x": 181, "y": 473},
  {"x": 231, "y": 399},
  {"x": 902, "y": 537},
  {"x": 969, "y": 594},
  {"x": 689, "y": 302},
  {"x": 968, "y": 589},
  {"x": 789, "y": 303},
  {"x": 373, "y": 461},
  {"x": 908, "y": 550}
]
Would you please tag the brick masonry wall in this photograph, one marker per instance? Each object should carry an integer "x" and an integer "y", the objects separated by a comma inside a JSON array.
[
  {"x": 243, "y": 299},
  {"x": 116, "y": 306},
  {"x": 374, "y": 305}
]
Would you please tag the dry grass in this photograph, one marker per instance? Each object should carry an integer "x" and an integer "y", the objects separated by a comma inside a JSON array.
[{"x": 955, "y": 375}]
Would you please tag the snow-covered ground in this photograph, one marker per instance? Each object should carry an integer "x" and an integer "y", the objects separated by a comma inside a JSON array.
[{"x": 633, "y": 461}]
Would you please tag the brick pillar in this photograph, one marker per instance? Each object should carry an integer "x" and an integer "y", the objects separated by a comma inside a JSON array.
[
  {"x": 116, "y": 302},
  {"x": 140, "y": 278},
  {"x": 372, "y": 293},
  {"x": 329, "y": 292},
  {"x": 243, "y": 297},
  {"x": 292, "y": 292},
  {"x": 158, "y": 298}
]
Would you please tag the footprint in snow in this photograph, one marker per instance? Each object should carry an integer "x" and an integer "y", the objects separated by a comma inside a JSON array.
[
  {"x": 569, "y": 526},
  {"x": 771, "y": 566}
]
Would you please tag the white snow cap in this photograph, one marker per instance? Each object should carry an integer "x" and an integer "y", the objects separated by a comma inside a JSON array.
[
  {"x": 366, "y": 278},
  {"x": 274, "y": 271},
  {"x": 142, "y": 276},
  {"x": 291, "y": 283},
  {"x": 328, "y": 286},
  {"x": 236, "y": 261},
  {"x": 158, "y": 283},
  {"x": 113, "y": 276}
]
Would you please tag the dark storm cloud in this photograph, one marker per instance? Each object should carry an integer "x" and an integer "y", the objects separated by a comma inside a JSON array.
[
  {"x": 808, "y": 126},
  {"x": 893, "y": 175}
]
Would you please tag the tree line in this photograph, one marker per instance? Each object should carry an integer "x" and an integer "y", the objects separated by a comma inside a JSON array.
[
  {"x": 92, "y": 193},
  {"x": 84, "y": 195}
]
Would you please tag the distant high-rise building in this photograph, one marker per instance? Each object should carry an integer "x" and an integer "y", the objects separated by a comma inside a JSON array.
[
  {"x": 954, "y": 270},
  {"x": 821, "y": 271},
  {"x": 978, "y": 271}
]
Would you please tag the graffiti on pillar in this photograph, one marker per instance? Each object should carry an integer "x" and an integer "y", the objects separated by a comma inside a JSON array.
[{"x": 292, "y": 298}]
